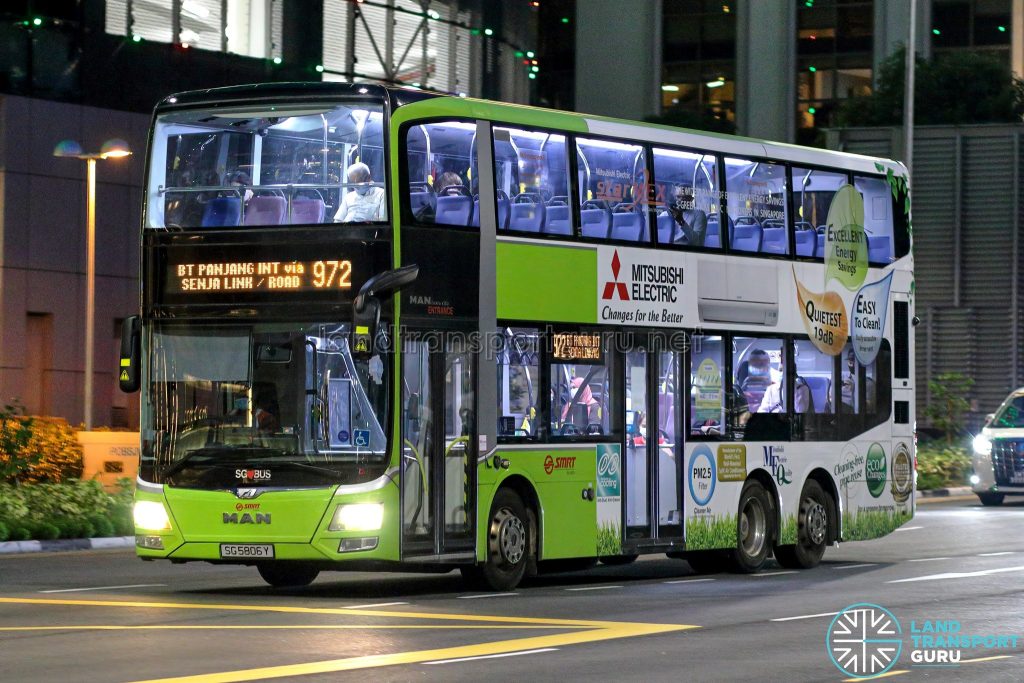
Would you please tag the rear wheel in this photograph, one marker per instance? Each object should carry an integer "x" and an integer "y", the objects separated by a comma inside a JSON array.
[
  {"x": 991, "y": 498},
  {"x": 812, "y": 524},
  {"x": 508, "y": 544},
  {"x": 287, "y": 575},
  {"x": 753, "y": 528}
]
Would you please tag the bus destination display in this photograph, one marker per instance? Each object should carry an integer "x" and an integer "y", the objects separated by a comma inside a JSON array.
[{"x": 260, "y": 276}]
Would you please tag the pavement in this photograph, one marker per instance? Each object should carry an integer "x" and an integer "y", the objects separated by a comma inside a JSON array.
[
  {"x": 66, "y": 544},
  {"x": 957, "y": 567}
]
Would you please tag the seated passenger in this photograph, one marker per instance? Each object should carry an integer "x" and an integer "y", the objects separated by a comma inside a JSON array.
[
  {"x": 363, "y": 203},
  {"x": 681, "y": 208},
  {"x": 773, "y": 401},
  {"x": 450, "y": 184}
]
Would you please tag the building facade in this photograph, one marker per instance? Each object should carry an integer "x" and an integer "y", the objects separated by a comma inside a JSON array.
[{"x": 91, "y": 71}]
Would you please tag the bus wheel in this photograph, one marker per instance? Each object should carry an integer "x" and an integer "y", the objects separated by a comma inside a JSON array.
[
  {"x": 618, "y": 560},
  {"x": 508, "y": 543},
  {"x": 753, "y": 528},
  {"x": 284, "y": 575},
  {"x": 811, "y": 530},
  {"x": 991, "y": 498}
]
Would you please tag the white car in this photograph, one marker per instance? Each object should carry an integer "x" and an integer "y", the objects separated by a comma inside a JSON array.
[{"x": 999, "y": 453}]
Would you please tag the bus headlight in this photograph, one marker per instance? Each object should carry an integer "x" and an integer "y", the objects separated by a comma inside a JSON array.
[
  {"x": 358, "y": 517},
  {"x": 151, "y": 516},
  {"x": 982, "y": 445}
]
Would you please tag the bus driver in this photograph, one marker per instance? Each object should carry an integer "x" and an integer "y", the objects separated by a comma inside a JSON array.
[{"x": 365, "y": 201}]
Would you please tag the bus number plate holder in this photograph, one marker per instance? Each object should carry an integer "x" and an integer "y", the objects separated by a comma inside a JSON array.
[{"x": 263, "y": 551}]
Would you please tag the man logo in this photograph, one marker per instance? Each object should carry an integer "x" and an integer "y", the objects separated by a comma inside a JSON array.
[
  {"x": 864, "y": 640},
  {"x": 615, "y": 288},
  {"x": 246, "y": 518}
]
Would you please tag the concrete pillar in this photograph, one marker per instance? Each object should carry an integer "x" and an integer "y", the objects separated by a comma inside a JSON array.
[
  {"x": 892, "y": 27},
  {"x": 766, "y": 69},
  {"x": 618, "y": 58}
]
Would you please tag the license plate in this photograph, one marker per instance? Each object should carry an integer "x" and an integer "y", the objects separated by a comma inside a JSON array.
[{"x": 246, "y": 550}]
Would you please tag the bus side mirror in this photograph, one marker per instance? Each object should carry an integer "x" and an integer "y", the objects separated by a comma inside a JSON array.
[
  {"x": 366, "y": 332},
  {"x": 129, "y": 373}
]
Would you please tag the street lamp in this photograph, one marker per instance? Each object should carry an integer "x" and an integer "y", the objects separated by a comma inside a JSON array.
[{"x": 111, "y": 149}]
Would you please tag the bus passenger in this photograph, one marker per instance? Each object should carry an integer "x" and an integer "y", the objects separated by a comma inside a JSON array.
[
  {"x": 772, "y": 401},
  {"x": 691, "y": 221},
  {"x": 363, "y": 203},
  {"x": 450, "y": 184}
]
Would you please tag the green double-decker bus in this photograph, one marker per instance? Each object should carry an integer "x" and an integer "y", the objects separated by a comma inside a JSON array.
[{"x": 388, "y": 329}]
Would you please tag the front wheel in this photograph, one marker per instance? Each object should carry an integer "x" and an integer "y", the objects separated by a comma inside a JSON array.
[
  {"x": 508, "y": 544},
  {"x": 285, "y": 575},
  {"x": 991, "y": 498},
  {"x": 753, "y": 528},
  {"x": 812, "y": 526}
]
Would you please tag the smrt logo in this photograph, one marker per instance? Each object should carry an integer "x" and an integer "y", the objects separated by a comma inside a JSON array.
[
  {"x": 615, "y": 288},
  {"x": 559, "y": 463}
]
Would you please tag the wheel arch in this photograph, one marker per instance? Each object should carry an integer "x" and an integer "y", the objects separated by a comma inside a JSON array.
[
  {"x": 828, "y": 484},
  {"x": 524, "y": 488},
  {"x": 765, "y": 480}
]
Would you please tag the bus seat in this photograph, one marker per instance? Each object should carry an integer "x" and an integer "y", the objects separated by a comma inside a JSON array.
[
  {"x": 557, "y": 221},
  {"x": 806, "y": 242},
  {"x": 221, "y": 212},
  {"x": 526, "y": 216},
  {"x": 773, "y": 241},
  {"x": 266, "y": 210},
  {"x": 627, "y": 226},
  {"x": 595, "y": 222},
  {"x": 821, "y": 388},
  {"x": 879, "y": 250},
  {"x": 306, "y": 210},
  {"x": 421, "y": 203},
  {"x": 713, "y": 236},
  {"x": 503, "y": 212},
  {"x": 746, "y": 237},
  {"x": 454, "y": 210}
]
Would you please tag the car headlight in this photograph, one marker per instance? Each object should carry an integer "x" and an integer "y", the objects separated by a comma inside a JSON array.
[
  {"x": 358, "y": 517},
  {"x": 982, "y": 445},
  {"x": 151, "y": 516}
]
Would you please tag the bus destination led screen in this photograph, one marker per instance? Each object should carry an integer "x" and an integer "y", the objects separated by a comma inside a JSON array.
[{"x": 259, "y": 276}]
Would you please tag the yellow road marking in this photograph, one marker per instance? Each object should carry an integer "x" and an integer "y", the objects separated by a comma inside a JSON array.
[
  {"x": 197, "y": 627},
  {"x": 986, "y": 659},
  {"x": 887, "y": 674},
  {"x": 591, "y": 631}
]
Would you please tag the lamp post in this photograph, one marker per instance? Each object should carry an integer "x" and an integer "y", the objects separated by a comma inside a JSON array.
[{"x": 111, "y": 149}]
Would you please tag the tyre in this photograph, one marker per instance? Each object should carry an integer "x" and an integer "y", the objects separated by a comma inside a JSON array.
[
  {"x": 287, "y": 575},
  {"x": 754, "y": 527},
  {"x": 618, "y": 560},
  {"x": 991, "y": 498},
  {"x": 812, "y": 524},
  {"x": 508, "y": 544}
]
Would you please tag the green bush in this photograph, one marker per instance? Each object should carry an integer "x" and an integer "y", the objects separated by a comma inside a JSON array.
[
  {"x": 73, "y": 509},
  {"x": 939, "y": 466},
  {"x": 4, "y": 533},
  {"x": 57, "y": 452}
]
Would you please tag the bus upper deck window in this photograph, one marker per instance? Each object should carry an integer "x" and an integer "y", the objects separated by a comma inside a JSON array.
[
  {"x": 267, "y": 165},
  {"x": 756, "y": 206},
  {"x": 441, "y": 181},
  {"x": 686, "y": 198},
  {"x": 531, "y": 182}
]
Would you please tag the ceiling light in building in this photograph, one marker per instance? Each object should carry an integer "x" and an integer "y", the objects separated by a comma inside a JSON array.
[
  {"x": 433, "y": 14},
  {"x": 277, "y": 60},
  {"x": 717, "y": 83},
  {"x": 936, "y": 31},
  {"x": 1002, "y": 29},
  {"x": 812, "y": 110},
  {"x": 812, "y": 69},
  {"x": 670, "y": 88},
  {"x": 529, "y": 54},
  {"x": 488, "y": 32},
  {"x": 726, "y": 9}
]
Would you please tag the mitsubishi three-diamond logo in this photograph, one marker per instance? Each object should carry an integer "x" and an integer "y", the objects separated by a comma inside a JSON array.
[
  {"x": 864, "y": 640},
  {"x": 615, "y": 288}
]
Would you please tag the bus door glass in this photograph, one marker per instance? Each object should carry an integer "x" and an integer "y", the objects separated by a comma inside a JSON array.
[{"x": 438, "y": 454}]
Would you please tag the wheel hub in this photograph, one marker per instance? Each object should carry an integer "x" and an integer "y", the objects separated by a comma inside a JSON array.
[
  {"x": 511, "y": 537},
  {"x": 753, "y": 528},
  {"x": 817, "y": 523}
]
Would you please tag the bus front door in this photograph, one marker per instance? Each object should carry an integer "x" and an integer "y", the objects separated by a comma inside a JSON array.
[
  {"x": 653, "y": 508},
  {"x": 438, "y": 473}
]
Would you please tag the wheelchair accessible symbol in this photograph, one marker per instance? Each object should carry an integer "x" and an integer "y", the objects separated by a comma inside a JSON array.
[{"x": 362, "y": 438}]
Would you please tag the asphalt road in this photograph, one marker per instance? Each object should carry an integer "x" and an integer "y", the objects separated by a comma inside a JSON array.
[{"x": 105, "y": 616}]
